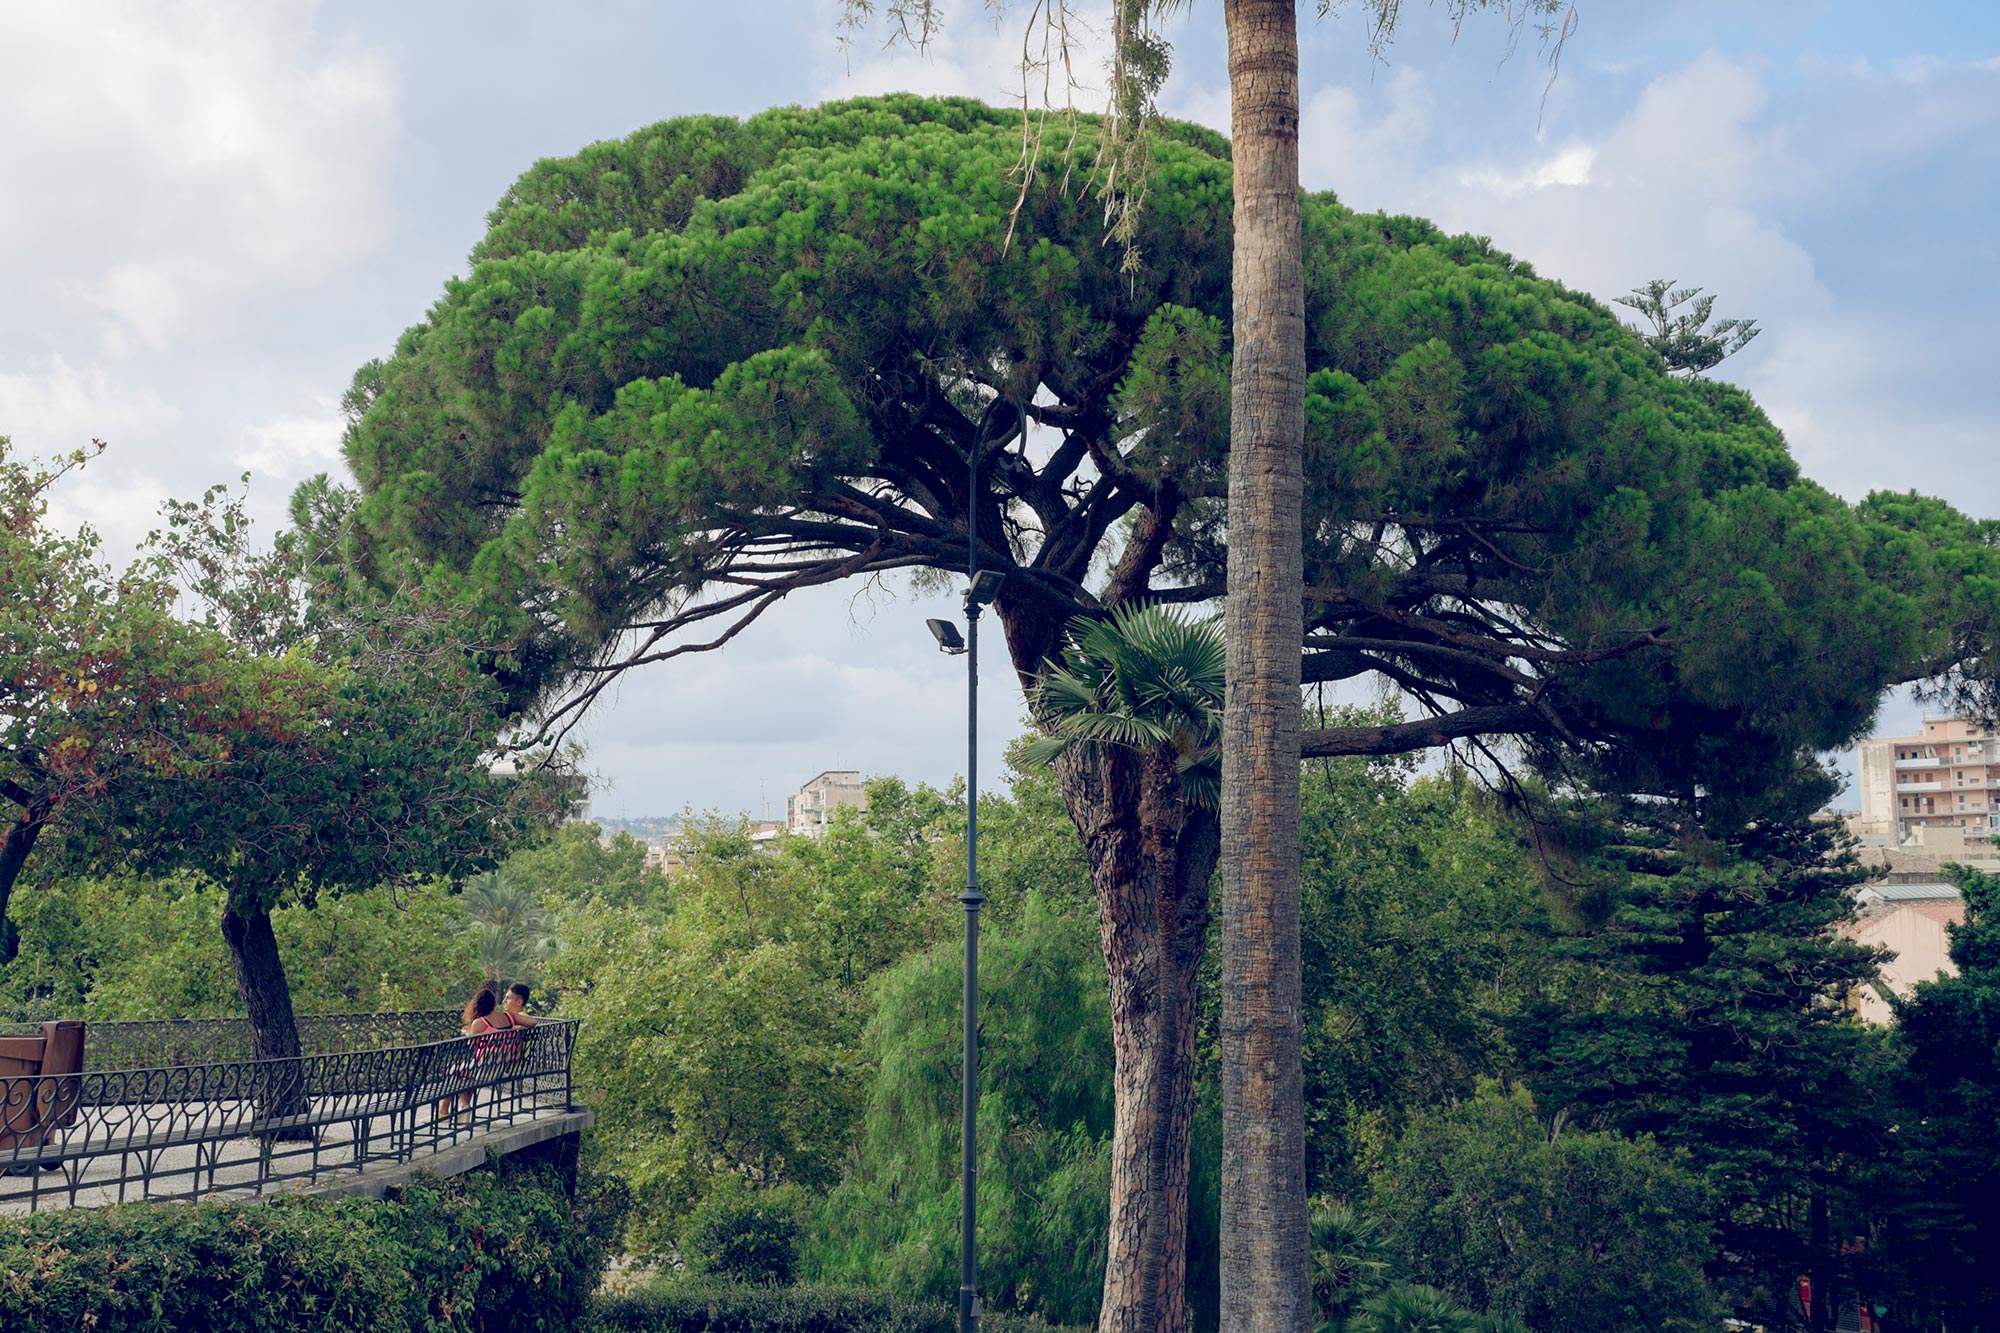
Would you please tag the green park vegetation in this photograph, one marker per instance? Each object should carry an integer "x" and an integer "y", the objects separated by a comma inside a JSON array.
[
  {"x": 1575, "y": 1050},
  {"x": 477, "y": 1252}
]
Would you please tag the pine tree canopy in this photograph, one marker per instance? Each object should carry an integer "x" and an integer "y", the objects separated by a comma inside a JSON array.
[{"x": 720, "y": 361}]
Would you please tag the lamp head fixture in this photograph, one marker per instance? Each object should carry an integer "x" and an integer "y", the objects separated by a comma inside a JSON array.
[
  {"x": 947, "y": 635},
  {"x": 985, "y": 587}
]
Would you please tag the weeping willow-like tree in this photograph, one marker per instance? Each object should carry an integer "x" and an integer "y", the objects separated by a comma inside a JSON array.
[{"x": 720, "y": 362}]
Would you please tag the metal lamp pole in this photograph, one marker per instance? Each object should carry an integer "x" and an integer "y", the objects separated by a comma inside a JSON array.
[
  {"x": 982, "y": 589},
  {"x": 968, "y": 1170}
]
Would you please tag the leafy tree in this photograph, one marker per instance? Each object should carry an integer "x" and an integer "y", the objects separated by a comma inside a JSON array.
[
  {"x": 1412, "y": 1308},
  {"x": 512, "y": 935},
  {"x": 1423, "y": 931},
  {"x": 1708, "y": 1012},
  {"x": 719, "y": 1051},
  {"x": 1941, "y": 1260},
  {"x": 1687, "y": 342},
  {"x": 1045, "y": 1096},
  {"x": 577, "y": 863},
  {"x": 744, "y": 1235},
  {"x": 876, "y": 887},
  {"x": 696, "y": 370},
  {"x": 1571, "y": 1231},
  {"x": 101, "y": 949},
  {"x": 1350, "y": 1262},
  {"x": 99, "y": 681},
  {"x": 369, "y": 760}
]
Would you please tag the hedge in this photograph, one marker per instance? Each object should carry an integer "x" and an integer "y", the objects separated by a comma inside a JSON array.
[
  {"x": 480, "y": 1252},
  {"x": 669, "y": 1305}
]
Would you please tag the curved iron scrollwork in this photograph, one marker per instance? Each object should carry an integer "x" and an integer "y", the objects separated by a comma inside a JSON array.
[
  {"x": 231, "y": 1128},
  {"x": 190, "y": 1041}
]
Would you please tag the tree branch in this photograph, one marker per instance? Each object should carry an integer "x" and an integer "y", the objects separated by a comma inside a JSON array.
[{"x": 1425, "y": 733}]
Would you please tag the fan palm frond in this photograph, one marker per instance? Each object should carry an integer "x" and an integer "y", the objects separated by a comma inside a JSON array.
[
  {"x": 1145, "y": 678},
  {"x": 1408, "y": 1307}
]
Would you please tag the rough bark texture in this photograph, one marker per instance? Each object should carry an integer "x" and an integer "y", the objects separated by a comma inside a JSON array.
[
  {"x": 267, "y": 1001},
  {"x": 1151, "y": 857},
  {"x": 1265, "y": 1281}
]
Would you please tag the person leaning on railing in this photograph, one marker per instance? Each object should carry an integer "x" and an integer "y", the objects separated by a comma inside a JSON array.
[
  {"x": 516, "y": 1005},
  {"x": 487, "y": 1025}
]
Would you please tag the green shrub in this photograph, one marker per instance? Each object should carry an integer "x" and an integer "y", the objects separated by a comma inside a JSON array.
[
  {"x": 703, "y": 1305},
  {"x": 481, "y": 1251},
  {"x": 1571, "y": 1232},
  {"x": 744, "y": 1234}
]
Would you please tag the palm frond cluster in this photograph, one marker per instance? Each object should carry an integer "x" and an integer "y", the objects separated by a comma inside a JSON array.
[
  {"x": 1145, "y": 678},
  {"x": 513, "y": 936}
]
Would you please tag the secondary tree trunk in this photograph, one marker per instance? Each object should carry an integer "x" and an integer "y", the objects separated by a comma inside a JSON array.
[
  {"x": 20, "y": 840},
  {"x": 1151, "y": 858},
  {"x": 267, "y": 1001},
  {"x": 1264, "y": 1260}
]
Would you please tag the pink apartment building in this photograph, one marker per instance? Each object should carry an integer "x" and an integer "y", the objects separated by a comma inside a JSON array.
[{"x": 1948, "y": 777}]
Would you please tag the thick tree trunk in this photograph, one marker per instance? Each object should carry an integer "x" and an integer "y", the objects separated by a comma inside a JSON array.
[
  {"x": 1264, "y": 1261},
  {"x": 267, "y": 1001},
  {"x": 1151, "y": 858},
  {"x": 20, "y": 840}
]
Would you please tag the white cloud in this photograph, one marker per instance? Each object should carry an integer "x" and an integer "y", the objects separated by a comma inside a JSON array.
[
  {"x": 1571, "y": 166},
  {"x": 53, "y": 407},
  {"x": 996, "y": 59},
  {"x": 181, "y": 155},
  {"x": 296, "y": 445}
]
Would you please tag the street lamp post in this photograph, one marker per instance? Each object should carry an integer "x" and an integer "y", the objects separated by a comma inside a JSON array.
[{"x": 983, "y": 587}]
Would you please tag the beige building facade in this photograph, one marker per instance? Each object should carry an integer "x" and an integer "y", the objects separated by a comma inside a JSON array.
[
  {"x": 812, "y": 808},
  {"x": 1911, "y": 920},
  {"x": 1946, "y": 777}
]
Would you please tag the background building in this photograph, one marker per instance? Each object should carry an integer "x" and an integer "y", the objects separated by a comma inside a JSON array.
[
  {"x": 1911, "y": 920},
  {"x": 812, "y": 807},
  {"x": 1946, "y": 778}
]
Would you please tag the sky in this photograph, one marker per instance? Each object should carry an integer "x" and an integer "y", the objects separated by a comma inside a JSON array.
[{"x": 215, "y": 212}]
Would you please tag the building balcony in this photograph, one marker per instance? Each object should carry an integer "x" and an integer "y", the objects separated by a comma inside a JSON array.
[
  {"x": 1920, "y": 786},
  {"x": 1931, "y": 762}
]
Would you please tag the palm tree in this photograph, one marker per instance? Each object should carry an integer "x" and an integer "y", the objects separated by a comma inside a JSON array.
[
  {"x": 1146, "y": 678},
  {"x": 1264, "y": 1256},
  {"x": 1132, "y": 715},
  {"x": 1410, "y": 1308},
  {"x": 1350, "y": 1262},
  {"x": 512, "y": 934}
]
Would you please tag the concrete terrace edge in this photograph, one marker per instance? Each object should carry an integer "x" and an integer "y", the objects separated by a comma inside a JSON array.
[{"x": 376, "y": 1181}]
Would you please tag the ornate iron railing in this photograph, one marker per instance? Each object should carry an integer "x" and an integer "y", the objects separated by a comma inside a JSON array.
[
  {"x": 247, "y": 1127},
  {"x": 201, "y": 1041}
]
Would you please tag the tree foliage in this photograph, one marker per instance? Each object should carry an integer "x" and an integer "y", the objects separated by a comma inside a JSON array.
[
  {"x": 1570, "y": 1231},
  {"x": 1144, "y": 679},
  {"x": 1943, "y": 1226},
  {"x": 100, "y": 949},
  {"x": 101, "y": 684},
  {"x": 1046, "y": 1117},
  {"x": 726, "y": 1012},
  {"x": 1423, "y": 932},
  {"x": 1708, "y": 1010},
  {"x": 1687, "y": 342},
  {"x": 696, "y": 369}
]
